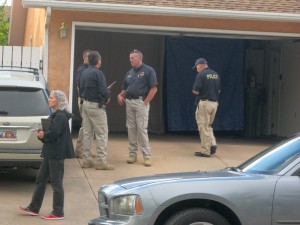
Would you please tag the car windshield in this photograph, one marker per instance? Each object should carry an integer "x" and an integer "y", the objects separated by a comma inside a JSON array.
[
  {"x": 23, "y": 102},
  {"x": 274, "y": 158}
]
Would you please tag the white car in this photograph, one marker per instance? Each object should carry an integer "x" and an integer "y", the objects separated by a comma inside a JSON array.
[{"x": 24, "y": 101}]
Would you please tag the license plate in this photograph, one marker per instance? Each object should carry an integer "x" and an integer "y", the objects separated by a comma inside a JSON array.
[{"x": 8, "y": 135}]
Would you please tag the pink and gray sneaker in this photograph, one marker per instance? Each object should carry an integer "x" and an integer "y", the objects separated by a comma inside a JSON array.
[
  {"x": 27, "y": 211},
  {"x": 52, "y": 217}
]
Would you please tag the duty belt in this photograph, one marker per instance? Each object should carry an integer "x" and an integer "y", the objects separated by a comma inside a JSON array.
[
  {"x": 134, "y": 97},
  {"x": 91, "y": 99},
  {"x": 208, "y": 100}
]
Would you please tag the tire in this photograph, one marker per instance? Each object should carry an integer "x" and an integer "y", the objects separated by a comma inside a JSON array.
[{"x": 196, "y": 216}]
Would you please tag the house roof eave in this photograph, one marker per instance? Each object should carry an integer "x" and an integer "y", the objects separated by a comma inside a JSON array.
[{"x": 157, "y": 10}]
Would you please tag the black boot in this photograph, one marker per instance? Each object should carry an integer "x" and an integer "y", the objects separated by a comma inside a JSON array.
[
  {"x": 200, "y": 154},
  {"x": 213, "y": 149}
]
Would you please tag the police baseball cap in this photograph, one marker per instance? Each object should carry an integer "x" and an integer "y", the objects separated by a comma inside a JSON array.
[{"x": 200, "y": 61}]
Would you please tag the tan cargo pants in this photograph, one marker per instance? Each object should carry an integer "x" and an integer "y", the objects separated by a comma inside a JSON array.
[
  {"x": 137, "y": 116},
  {"x": 205, "y": 115},
  {"x": 94, "y": 120},
  {"x": 78, "y": 148}
]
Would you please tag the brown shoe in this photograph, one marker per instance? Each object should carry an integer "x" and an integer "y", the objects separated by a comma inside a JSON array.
[
  {"x": 147, "y": 162},
  {"x": 132, "y": 159},
  {"x": 78, "y": 155},
  {"x": 104, "y": 166},
  {"x": 87, "y": 164}
]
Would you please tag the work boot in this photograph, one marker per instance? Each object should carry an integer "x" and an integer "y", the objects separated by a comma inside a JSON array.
[
  {"x": 78, "y": 154},
  {"x": 132, "y": 159},
  {"x": 147, "y": 162},
  {"x": 87, "y": 163},
  {"x": 104, "y": 166},
  {"x": 213, "y": 149},
  {"x": 200, "y": 154}
]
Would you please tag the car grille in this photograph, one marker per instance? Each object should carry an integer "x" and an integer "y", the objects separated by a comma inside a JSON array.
[{"x": 103, "y": 205}]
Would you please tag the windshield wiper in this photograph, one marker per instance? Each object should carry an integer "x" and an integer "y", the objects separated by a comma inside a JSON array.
[{"x": 3, "y": 112}]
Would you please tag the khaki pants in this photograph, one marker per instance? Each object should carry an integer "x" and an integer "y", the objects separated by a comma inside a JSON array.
[
  {"x": 78, "y": 148},
  {"x": 94, "y": 120},
  {"x": 137, "y": 116},
  {"x": 205, "y": 115}
]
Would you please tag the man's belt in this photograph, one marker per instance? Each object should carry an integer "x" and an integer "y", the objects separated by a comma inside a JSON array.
[
  {"x": 91, "y": 99},
  {"x": 210, "y": 100},
  {"x": 134, "y": 97}
]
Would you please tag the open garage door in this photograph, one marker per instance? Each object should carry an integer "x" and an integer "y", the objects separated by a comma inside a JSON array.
[{"x": 245, "y": 106}]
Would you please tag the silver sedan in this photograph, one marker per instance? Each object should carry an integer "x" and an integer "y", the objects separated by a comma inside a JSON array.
[{"x": 265, "y": 190}]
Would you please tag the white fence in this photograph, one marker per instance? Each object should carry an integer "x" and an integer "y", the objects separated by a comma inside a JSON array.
[{"x": 21, "y": 56}]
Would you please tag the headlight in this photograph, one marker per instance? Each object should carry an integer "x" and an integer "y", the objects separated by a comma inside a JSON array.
[{"x": 127, "y": 205}]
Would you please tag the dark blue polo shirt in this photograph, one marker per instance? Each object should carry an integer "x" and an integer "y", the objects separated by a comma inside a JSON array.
[
  {"x": 208, "y": 83},
  {"x": 139, "y": 81},
  {"x": 79, "y": 71},
  {"x": 93, "y": 84}
]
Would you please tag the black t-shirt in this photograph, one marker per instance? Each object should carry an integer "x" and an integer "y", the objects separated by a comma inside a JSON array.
[{"x": 208, "y": 83}]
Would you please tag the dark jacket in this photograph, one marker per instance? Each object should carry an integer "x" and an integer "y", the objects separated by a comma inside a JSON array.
[{"x": 57, "y": 140}]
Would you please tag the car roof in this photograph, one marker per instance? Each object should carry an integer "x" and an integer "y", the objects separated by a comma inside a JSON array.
[{"x": 21, "y": 77}]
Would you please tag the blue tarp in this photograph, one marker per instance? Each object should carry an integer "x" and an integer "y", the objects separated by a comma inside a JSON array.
[{"x": 224, "y": 56}]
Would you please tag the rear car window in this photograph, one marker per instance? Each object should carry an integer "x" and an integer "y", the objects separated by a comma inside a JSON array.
[{"x": 23, "y": 102}]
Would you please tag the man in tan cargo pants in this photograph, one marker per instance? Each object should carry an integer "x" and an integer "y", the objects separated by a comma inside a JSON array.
[
  {"x": 95, "y": 95},
  {"x": 80, "y": 69},
  {"x": 207, "y": 88},
  {"x": 139, "y": 87}
]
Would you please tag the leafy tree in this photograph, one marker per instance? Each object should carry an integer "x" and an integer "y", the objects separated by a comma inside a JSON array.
[{"x": 4, "y": 25}]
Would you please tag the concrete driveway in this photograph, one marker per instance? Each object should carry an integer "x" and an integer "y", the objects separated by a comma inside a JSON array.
[{"x": 171, "y": 153}]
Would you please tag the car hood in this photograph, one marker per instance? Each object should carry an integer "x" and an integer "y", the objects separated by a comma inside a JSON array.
[{"x": 170, "y": 177}]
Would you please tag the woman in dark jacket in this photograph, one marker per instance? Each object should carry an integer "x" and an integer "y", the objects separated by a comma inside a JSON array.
[{"x": 57, "y": 146}]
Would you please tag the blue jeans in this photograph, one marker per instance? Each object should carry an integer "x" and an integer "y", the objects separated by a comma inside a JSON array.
[{"x": 52, "y": 169}]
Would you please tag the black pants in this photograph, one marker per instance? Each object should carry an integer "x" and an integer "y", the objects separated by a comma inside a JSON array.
[{"x": 52, "y": 169}]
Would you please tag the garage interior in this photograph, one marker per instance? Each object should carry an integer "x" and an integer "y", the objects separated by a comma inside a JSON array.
[{"x": 258, "y": 75}]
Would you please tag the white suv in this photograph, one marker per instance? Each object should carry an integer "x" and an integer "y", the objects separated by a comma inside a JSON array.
[{"x": 23, "y": 102}]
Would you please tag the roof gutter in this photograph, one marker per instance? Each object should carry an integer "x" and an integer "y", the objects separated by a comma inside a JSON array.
[{"x": 164, "y": 11}]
